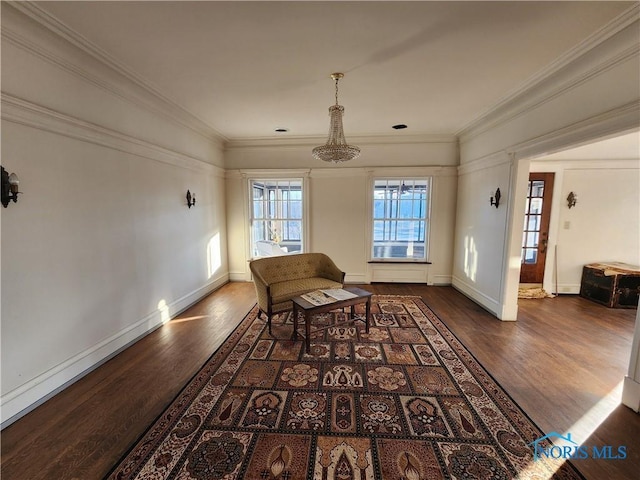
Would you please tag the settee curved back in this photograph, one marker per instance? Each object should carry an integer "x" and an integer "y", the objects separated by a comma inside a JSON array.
[{"x": 272, "y": 270}]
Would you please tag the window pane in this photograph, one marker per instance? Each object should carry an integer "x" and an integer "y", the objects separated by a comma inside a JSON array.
[
  {"x": 296, "y": 209},
  {"x": 405, "y": 209},
  {"x": 258, "y": 211},
  {"x": 378, "y": 209},
  {"x": 419, "y": 207},
  {"x": 536, "y": 206},
  {"x": 537, "y": 188},
  {"x": 530, "y": 255}
]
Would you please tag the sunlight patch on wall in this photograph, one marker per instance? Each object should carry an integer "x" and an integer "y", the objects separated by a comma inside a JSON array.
[
  {"x": 163, "y": 308},
  {"x": 470, "y": 258},
  {"x": 214, "y": 257}
]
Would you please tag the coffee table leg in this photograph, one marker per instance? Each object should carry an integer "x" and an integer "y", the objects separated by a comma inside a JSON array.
[
  {"x": 367, "y": 316},
  {"x": 307, "y": 331},
  {"x": 294, "y": 336}
]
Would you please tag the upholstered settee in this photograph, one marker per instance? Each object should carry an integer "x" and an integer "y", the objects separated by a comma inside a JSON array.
[{"x": 279, "y": 279}]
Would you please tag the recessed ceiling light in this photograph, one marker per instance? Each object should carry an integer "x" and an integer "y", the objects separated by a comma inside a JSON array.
[
  {"x": 400, "y": 126},
  {"x": 282, "y": 130}
]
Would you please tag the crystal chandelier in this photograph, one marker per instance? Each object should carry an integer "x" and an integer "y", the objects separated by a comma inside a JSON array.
[{"x": 336, "y": 149}]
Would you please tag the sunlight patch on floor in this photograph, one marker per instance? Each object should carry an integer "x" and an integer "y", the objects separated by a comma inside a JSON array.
[
  {"x": 579, "y": 432},
  {"x": 590, "y": 421},
  {"x": 189, "y": 319}
]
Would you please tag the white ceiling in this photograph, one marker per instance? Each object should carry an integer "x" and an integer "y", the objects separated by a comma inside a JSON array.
[{"x": 247, "y": 68}]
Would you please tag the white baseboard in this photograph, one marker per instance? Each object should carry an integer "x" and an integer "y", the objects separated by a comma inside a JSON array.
[
  {"x": 240, "y": 276},
  {"x": 38, "y": 390},
  {"x": 569, "y": 288},
  {"x": 441, "y": 280},
  {"x": 358, "y": 278},
  {"x": 485, "y": 301}
]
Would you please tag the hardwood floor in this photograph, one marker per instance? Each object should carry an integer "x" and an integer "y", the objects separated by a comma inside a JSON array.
[{"x": 562, "y": 361}]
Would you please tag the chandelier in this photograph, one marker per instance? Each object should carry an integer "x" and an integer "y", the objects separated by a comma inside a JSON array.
[{"x": 336, "y": 149}]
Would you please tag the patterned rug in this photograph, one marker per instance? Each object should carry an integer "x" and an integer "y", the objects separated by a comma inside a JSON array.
[{"x": 406, "y": 401}]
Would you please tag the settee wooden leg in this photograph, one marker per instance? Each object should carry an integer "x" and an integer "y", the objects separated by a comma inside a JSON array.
[{"x": 261, "y": 313}]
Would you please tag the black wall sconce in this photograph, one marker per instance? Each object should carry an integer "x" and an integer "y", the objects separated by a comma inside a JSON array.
[
  {"x": 9, "y": 187},
  {"x": 191, "y": 199},
  {"x": 572, "y": 199},
  {"x": 495, "y": 199}
]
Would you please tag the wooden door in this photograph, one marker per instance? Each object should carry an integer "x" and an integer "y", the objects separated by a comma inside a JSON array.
[{"x": 535, "y": 237}]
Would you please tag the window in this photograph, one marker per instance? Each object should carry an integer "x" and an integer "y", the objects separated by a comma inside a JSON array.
[
  {"x": 276, "y": 217},
  {"x": 400, "y": 218}
]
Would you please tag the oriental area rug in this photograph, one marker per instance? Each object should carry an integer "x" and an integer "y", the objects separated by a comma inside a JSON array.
[{"x": 405, "y": 401}]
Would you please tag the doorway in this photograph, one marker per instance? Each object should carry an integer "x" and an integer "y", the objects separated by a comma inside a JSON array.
[{"x": 535, "y": 236}]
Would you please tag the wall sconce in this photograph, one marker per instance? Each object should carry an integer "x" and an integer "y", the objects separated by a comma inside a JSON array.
[
  {"x": 191, "y": 199},
  {"x": 10, "y": 185},
  {"x": 572, "y": 199},
  {"x": 495, "y": 198}
]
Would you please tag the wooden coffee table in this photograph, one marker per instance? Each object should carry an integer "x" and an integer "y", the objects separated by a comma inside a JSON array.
[{"x": 309, "y": 309}]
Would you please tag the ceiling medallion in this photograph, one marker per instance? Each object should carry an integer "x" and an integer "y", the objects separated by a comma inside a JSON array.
[{"x": 336, "y": 149}]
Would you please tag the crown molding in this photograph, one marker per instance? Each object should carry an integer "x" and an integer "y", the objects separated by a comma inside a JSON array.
[
  {"x": 23, "y": 112},
  {"x": 313, "y": 141},
  {"x": 342, "y": 172},
  {"x": 268, "y": 173},
  {"x": 541, "y": 164},
  {"x": 155, "y": 100},
  {"x": 483, "y": 163},
  {"x": 522, "y": 99},
  {"x": 622, "y": 119}
]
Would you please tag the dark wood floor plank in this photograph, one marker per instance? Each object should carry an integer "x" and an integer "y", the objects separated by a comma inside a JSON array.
[{"x": 557, "y": 361}]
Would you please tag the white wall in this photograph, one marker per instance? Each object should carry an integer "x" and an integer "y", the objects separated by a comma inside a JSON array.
[
  {"x": 339, "y": 203},
  {"x": 591, "y": 93},
  {"x": 478, "y": 263},
  {"x": 101, "y": 247},
  {"x": 603, "y": 226}
]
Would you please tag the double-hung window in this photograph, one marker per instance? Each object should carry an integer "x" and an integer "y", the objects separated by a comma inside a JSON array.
[
  {"x": 276, "y": 217},
  {"x": 400, "y": 219}
]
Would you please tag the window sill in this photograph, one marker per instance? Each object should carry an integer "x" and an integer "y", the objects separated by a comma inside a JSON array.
[{"x": 400, "y": 262}]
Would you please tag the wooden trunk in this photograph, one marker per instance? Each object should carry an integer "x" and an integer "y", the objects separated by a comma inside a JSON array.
[{"x": 615, "y": 285}]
